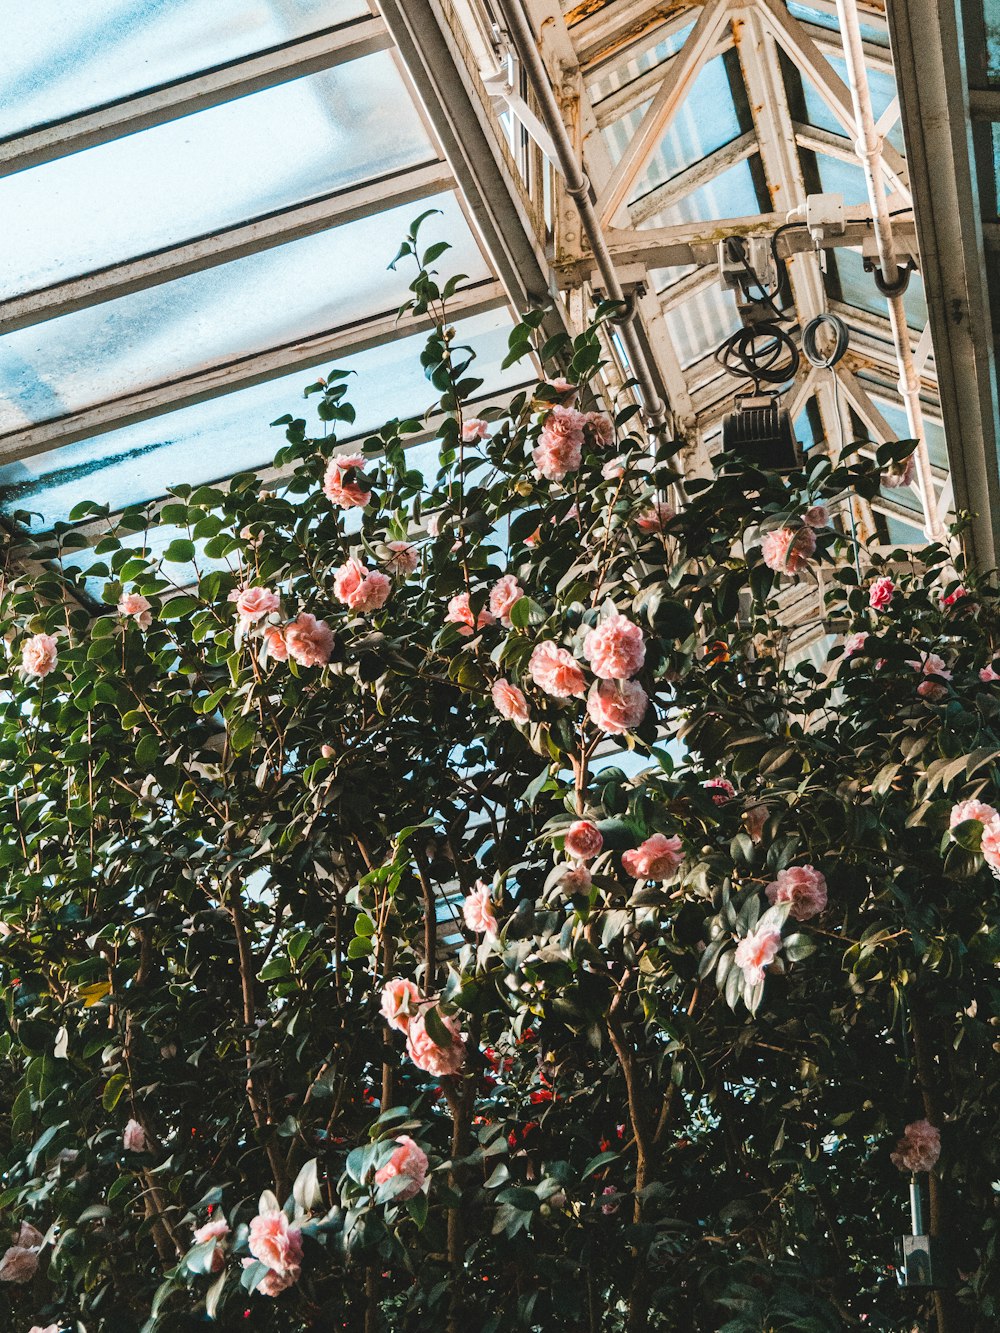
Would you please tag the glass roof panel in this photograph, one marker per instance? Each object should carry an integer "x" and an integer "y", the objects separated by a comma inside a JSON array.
[
  {"x": 730, "y": 194},
  {"x": 883, "y": 90},
  {"x": 991, "y": 22},
  {"x": 264, "y": 300},
  {"x": 210, "y": 440},
  {"x": 871, "y": 32},
  {"x": 699, "y": 324},
  {"x": 206, "y": 171},
  {"x": 858, "y": 288},
  {"x": 626, "y": 71},
  {"x": 60, "y": 59}
]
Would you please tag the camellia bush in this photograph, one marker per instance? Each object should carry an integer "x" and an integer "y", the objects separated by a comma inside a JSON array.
[{"x": 443, "y": 899}]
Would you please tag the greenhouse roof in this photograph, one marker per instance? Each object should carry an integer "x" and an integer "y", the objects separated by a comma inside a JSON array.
[{"x": 200, "y": 204}]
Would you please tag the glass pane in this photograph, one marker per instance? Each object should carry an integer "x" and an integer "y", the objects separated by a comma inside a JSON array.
[
  {"x": 699, "y": 324},
  {"x": 210, "y": 440},
  {"x": 858, "y": 288},
  {"x": 895, "y": 415},
  {"x": 991, "y": 21},
  {"x": 871, "y": 32},
  {"x": 883, "y": 90},
  {"x": 207, "y": 171},
  {"x": 623, "y": 73},
  {"x": 266, "y": 300},
  {"x": 730, "y": 195},
  {"x": 60, "y": 59}
]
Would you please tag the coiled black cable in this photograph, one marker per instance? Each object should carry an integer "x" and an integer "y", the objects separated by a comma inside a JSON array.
[
  {"x": 763, "y": 353},
  {"x": 810, "y": 345}
]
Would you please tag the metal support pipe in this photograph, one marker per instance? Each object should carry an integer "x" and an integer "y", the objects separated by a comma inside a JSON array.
[
  {"x": 869, "y": 149},
  {"x": 578, "y": 187}
]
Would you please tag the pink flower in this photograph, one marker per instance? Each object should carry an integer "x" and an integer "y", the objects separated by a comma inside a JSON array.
[
  {"x": 134, "y": 1137},
  {"x": 49, "y": 1328},
  {"x": 359, "y": 588},
  {"x": 583, "y": 840},
  {"x": 474, "y": 429},
  {"x": 655, "y": 518},
  {"x": 987, "y": 674},
  {"x": 556, "y": 671},
  {"x": 560, "y": 445},
  {"x": 918, "y": 1149},
  {"x": 880, "y": 594},
  {"x": 576, "y": 879},
  {"x": 803, "y": 887},
  {"x": 949, "y": 599},
  {"x": 426, "y": 1054},
  {"x": 757, "y": 951},
  {"x": 510, "y": 702},
  {"x": 277, "y": 648},
  {"x": 217, "y": 1229},
  {"x": 990, "y": 846},
  {"x": 601, "y": 427},
  {"x": 478, "y": 910},
  {"x": 786, "y": 550},
  {"x": 755, "y": 817},
  {"x": 504, "y": 593},
  {"x": 855, "y": 642},
  {"x": 617, "y": 706},
  {"x": 400, "y": 999},
  {"x": 273, "y": 1284},
  {"x": 562, "y": 386},
  {"x": 615, "y": 649},
  {"x": 135, "y": 607},
  {"x": 20, "y": 1261},
  {"x": 614, "y": 468},
  {"x": 274, "y": 1243},
  {"x": 460, "y": 614},
  {"x": 817, "y": 517},
  {"x": 725, "y": 789},
  {"x": 340, "y": 484},
  {"x": 408, "y": 1160},
  {"x": 609, "y": 1209},
  {"x": 39, "y": 654},
  {"x": 308, "y": 640},
  {"x": 932, "y": 665},
  {"x": 971, "y": 810},
  {"x": 327, "y": 751},
  {"x": 254, "y": 603},
  {"x": 900, "y": 474},
  {"x": 403, "y": 558},
  {"x": 656, "y": 858}
]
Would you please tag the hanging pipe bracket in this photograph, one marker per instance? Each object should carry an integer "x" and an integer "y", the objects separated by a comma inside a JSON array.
[{"x": 890, "y": 289}]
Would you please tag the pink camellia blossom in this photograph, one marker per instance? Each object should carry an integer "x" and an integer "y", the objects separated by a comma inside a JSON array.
[
  {"x": 601, "y": 427},
  {"x": 20, "y": 1260},
  {"x": 656, "y": 517},
  {"x": 460, "y": 614},
  {"x": 855, "y": 642},
  {"x": 510, "y": 702},
  {"x": 343, "y": 489},
  {"x": 949, "y": 599},
  {"x": 966, "y": 810},
  {"x": 272, "y": 1283},
  {"x": 474, "y": 429},
  {"x": 818, "y": 516},
  {"x": 217, "y": 1229},
  {"x": 614, "y": 468},
  {"x": 723, "y": 789},
  {"x": 803, "y": 888},
  {"x": 617, "y": 706},
  {"x": 308, "y": 640},
  {"x": 656, "y": 858},
  {"x": 560, "y": 445},
  {"x": 400, "y": 999},
  {"x": 988, "y": 675},
  {"x": 408, "y": 1160},
  {"x": 327, "y": 751},
  {"x": 900, "y": 474},
  {"x": 359, "y": 588},
  {"x": 504, "y": 593},
  {"x": 918, "y": 1149},
  {"x": 757, "y": 951},
  {"x": 990, "y": 846},
  {"x": 277, "y": 648},
  {"x": 609, "y": 1209},
  {"x": 755, "y": 817},
  {"x": 615, "y": 649},
  {"x": 134, "y": 1137},
  {"x": 478, "y": 911},
  {"x": 402, "y": 559},
  {"x": 40, "y": 654},
  {"x": 583, "y": 840},
  {"x": 133, "y": 606},
  {"x": 426, "y": 1054},
  {"x": 562, "y": 385},
  {"x": 932, "y": 665},
  {"x": 880, "y": 594},
  {"x": 787, "y": 550},
  {"x": 253, "y": 604},
  {"x": 576, "y": 879},
  {"x": 275, "y": 1243},
  {"x": 556, "y": 671},
  {"x": 49, "y": 1328}
]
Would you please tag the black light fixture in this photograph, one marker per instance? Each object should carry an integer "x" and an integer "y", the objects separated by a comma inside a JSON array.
[{"x": 759, "y": 431}]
